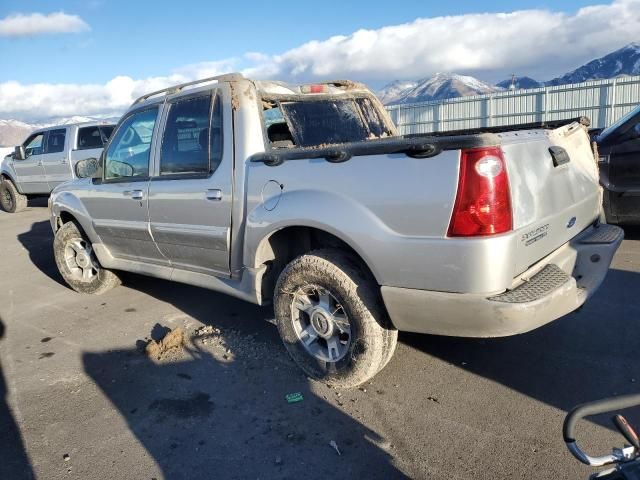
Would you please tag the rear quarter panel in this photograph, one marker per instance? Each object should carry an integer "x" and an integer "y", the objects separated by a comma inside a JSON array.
[{"x": 392, "y": 209}]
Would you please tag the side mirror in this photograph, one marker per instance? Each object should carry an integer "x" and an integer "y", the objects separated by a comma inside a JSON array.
[
  {"x": 18, "y": 153},
  {"x": 88, "y": 168}
]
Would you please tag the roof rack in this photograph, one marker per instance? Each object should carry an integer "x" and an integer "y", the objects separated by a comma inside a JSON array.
[{"x": 227, "y": 77}]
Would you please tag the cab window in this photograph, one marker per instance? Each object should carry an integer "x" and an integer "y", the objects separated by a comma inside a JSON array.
[
  {"x": 34, "y": 145},
  {"x": 90, "y": 137},
  {"x": 129, "y": 151}
]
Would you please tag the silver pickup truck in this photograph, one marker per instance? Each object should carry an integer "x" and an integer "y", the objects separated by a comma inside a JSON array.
[
  {"x": 306, "y": 196},
  {"x": 46, "y": 159}
]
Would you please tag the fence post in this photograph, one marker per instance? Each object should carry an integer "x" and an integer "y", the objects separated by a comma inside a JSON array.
[
  {"x": 490, "y": 107},
  {"x": 612, "y": 112}
]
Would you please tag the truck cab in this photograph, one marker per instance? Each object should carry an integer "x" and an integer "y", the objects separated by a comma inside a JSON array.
[{"x": 46, "y": 159}]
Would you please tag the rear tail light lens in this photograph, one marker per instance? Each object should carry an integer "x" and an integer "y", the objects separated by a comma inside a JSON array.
[
  {"x": 483, "y": 201},
  {"x": 314, "y": 88}
]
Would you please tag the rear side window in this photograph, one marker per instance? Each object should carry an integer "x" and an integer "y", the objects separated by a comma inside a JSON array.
[
  {"x": 192, "y": 140},
  {"x": 55, "y": 140},
  {"x": 107, "y": 130},
  {"x": 90, "y": 137}
]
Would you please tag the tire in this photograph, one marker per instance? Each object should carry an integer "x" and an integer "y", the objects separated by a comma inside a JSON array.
[
  {"x": 78, "y": 264},
  {"x": 11, "y": 201},
  {"x": 347, "y": 347}
]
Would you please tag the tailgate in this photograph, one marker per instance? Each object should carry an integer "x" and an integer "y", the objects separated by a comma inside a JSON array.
[{"x": 554, "y": 188}]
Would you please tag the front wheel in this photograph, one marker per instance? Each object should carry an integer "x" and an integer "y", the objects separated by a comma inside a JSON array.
[
  {"x": 331, "y": 318},
  {"x": 11, "y": 200},
  {"x": 78, "y": 264}
]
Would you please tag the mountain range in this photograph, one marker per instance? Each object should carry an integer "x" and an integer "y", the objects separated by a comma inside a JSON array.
[{"x": 625, "y": 61}]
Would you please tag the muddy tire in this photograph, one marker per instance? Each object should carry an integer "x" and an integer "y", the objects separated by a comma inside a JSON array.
[
  {"x": 78, "y": 264},
  {"x": 11, "y": 201},
  {"x": 331, "y": 318}
]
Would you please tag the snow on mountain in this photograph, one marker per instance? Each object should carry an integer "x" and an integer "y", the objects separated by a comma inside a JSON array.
[
  {"x": 520, "y": 83},
  {"x": 438, "y": 87},
  {"x": 393, "y": 92},
  {"x": 625, "y": 61}
]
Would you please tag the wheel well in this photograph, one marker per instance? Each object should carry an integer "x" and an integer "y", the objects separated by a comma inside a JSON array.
[
  {"x": 66, "y": 217},
  {"x": 284, "y": 245}
]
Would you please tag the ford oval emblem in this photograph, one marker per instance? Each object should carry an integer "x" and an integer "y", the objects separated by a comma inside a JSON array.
[{"x": 572, "y": 222}]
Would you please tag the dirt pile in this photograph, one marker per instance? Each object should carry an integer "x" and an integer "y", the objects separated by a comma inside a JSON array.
[{"x": 169, "y": 347}]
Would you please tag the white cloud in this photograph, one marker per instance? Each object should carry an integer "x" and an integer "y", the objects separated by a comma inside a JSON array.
[
  {"x": 539, "y": 43},
  {"x": 25, "y": 25}
]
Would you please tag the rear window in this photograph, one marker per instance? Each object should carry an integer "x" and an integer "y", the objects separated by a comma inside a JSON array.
[
  {"x": 94, "y": 137},
  {"x": 315, "y": 123}
]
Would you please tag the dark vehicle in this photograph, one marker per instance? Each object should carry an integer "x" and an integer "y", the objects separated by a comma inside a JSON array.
[{"x": 619, "y": 163}]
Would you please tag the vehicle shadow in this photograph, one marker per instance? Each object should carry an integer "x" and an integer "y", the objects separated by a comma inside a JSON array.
[
  {"x": 587, "y": 355},
  {"x": 14, "y": 462},
  {"x": 221, "y": 412},
  {"x": 632, "y": 232},
  {"x": 38, "y": 241}
]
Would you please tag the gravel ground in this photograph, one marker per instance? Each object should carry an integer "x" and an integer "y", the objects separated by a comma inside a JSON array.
[{"x": 81, "y": 398}]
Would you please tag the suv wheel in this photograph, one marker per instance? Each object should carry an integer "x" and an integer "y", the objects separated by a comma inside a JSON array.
[
  {"x": 331, "y": 318},
  {"x": 78, "y": 264},
  {"x": 11, "y": 200}
]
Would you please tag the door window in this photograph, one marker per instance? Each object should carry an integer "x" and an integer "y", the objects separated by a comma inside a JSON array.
[
  {"x": 185, "y": 143},
  {"x": 33, "y": 145},
  {"x": 129, "y": 151},
  {"x": 55, "y": 141}
]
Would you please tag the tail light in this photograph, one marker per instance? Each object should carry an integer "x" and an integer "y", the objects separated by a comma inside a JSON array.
[
  {"x": 322, "y": 88},
  {"x": 483, "y": 202}
]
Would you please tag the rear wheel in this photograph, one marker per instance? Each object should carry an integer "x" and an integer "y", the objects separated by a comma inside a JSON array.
[
  {"x": 331, "y": 318},
  {"x": 11, "y": 200},
  {"x": 78, "y": 264}
]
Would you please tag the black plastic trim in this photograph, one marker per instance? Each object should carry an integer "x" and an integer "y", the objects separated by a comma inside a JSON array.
[{"x": 425, "y": 146}]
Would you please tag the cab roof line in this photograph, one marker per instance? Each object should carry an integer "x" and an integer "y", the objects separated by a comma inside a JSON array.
[{"x": 227, "y": 77}]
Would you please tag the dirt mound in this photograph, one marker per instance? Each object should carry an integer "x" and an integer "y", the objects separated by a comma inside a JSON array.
[{"x": 170, "y": 346}]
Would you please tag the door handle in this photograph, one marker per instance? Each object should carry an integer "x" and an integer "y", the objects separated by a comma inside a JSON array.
[
  {"x": 134, "y": 194},
  {"x": 137, "y": 195},
  {"x": 64, "y": 161},
  {"x": 214, "y": 194},
  {"x": 39, "y": 164}
]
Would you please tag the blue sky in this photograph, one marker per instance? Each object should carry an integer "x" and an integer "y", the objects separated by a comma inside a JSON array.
[{"x": 94, "y": 56}]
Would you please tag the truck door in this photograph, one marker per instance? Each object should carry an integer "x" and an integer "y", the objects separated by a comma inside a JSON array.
[
  {"x": 30, "y": 172},
  {"x": 118, "y": 203},
  {"x": 55, "y": 158},
  {"x": 190, "y": 194}
]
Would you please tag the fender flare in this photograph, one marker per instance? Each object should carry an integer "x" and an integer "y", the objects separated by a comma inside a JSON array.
[
  {"x": 10, "y": 176},
  {"x": 67, "y": 202}
]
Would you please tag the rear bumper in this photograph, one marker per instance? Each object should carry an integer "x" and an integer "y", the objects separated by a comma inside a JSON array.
[{"x": 555, "y": 286}]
